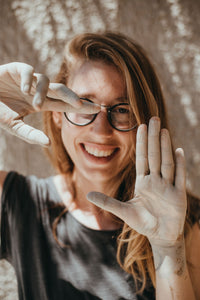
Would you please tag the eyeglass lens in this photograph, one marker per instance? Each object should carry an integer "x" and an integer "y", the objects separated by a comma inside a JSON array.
[{"x": 119, "y": 116}]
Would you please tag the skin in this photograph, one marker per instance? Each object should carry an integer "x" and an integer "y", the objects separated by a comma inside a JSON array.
[
  {"x": 23, "y": 92},
  {"x": 159, "y": 188},
  {"x": 155, "y": 189},
  {"x": 160, "y": 181},
  {"x": 103, "y": 85}
]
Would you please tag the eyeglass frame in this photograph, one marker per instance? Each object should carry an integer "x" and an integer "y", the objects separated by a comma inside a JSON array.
[{"x": 109, "y": 110}]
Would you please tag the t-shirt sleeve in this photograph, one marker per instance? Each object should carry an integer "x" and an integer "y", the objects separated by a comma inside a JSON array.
[
  {"x": 20, "y": 212},
  {"x": 4, "y": 226}
]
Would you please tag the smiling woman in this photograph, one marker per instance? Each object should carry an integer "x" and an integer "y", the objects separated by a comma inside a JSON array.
[
  {"x": 106, "y": 120},
  {"x": 105, "y": 86}
]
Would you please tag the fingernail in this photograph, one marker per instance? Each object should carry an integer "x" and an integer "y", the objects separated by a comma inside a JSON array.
[
  {"x": 154, "y": 125},
  {"x": 43, "y": 140},
  {"x": 26, "y": 88},
  {"x": 155, "y": 119},
  {"x": 37, "y": 102}
]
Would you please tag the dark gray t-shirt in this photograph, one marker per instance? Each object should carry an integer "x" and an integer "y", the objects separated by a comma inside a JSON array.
[{"x": 86, "y": 268}]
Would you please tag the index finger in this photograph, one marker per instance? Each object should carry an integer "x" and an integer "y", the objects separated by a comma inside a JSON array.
[
  {"x": 62, "y": 92},
  {"x": 61, "y": 106},
  {"x": 26, "y": 74},
  {"x": 42, "y": 85}
]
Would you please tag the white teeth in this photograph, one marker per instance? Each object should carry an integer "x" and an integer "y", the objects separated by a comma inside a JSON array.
[{"x": 98, "y": 153}]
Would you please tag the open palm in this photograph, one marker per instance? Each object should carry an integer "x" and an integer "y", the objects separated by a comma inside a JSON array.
[{"x": 159, "y": 206}]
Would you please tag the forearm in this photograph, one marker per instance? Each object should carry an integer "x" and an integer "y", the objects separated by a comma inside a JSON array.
[{"x": 172, "y": 277}]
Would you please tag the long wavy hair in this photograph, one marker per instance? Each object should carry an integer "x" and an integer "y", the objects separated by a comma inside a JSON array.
[{"x": 145, "y": 97}]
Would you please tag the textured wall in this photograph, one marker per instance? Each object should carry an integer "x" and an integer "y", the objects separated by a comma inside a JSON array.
[{"x": 35, "y": 32}]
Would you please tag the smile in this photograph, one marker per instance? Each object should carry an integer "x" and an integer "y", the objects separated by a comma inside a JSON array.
[{"x": 100, "y": 151}]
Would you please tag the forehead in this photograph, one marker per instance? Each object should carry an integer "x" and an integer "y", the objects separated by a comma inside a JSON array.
[{"x": 98, "y": 79}]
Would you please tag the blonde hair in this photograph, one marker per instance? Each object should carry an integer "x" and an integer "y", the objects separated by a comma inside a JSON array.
[{"x": 146, "y": 100}]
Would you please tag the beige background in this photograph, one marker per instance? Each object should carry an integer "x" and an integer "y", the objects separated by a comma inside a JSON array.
[{"x": 35, "y": 32}]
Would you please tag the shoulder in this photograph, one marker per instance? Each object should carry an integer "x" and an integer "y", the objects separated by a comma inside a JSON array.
[
  {"x": 65, "y": 189},
  {"x": 3, "y": 175},
  {"x": 26, "y": 190}
]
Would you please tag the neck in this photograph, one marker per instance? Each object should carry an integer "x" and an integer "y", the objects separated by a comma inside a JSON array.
[{"x": 97, "y": 218}]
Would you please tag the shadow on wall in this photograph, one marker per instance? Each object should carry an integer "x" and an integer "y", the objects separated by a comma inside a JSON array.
[
  {"x": 36, "y": 32},
  {"x": 169, "y": 33},
  {"x": 167, "y": 30}
]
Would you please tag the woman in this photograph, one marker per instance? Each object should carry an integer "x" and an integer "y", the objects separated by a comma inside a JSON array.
[{"x": 63, "y": 246}]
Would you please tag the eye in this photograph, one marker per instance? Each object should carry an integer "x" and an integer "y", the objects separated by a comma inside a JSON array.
[{"x": 122, "y": 110}]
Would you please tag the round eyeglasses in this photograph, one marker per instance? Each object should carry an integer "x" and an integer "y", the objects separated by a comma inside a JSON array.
[{"x": 119, "y": 116}]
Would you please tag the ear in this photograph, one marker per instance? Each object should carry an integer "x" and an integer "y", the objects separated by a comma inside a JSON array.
[{"x": 57, "y": 118}]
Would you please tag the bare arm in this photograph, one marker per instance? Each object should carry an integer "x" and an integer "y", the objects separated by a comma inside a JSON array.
[
  {"x": 173, "y": 280},
  {"x": 185, "y": 275}
]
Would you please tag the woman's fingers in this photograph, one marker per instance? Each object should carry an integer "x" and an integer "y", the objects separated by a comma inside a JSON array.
[
  {"x": 154, "y": 145},
  {"x": 12, "y": 122},
  {"x": 61, "y": 98},
  {"x": 167, "y": 161},
  {"x": 154, "y": 154},
  {"x": 132, "y": 212},
  {"x": 180, "y": 173},
  {"x": 107, "y": 203},
  {"x": 28, "y": 133},
  {"x": 60, "y": 106},
  {"x": 148, "y": 148},
  {"x": 142, "y": 166},
  {"x": 42, "y": 85},
  {"x": 51, "y": 96},
  {"x": 26, "y": 73},
  {"x": 61, "y": 92}
]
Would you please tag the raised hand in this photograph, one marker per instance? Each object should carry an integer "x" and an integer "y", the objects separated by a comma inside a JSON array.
[
  {"x": 159, "y": 206},
  {"x": 23, "y": 92}
]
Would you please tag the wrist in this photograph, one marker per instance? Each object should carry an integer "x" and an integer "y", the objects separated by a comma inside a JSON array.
[{"x": 169, "y": 259}]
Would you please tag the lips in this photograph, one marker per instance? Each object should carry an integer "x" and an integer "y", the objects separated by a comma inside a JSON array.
[{"x": 99, "y": 151}]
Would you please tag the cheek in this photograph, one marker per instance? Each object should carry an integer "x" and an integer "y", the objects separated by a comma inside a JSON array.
[
  {"x": 128, "y": 157},
  {"x": 67, "y": 134},
  {"x": 70, "y": 135},
  {"x": 129, "y": 142},
  {"x": 133, "y": 144}
]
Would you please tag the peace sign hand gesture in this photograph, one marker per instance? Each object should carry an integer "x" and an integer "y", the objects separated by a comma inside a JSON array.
[
  {"x": 23, "y": 92},
  {"x": 159, "y": 207}
]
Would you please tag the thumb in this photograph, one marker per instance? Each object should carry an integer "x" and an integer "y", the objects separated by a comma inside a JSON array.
[
  {"x": 28, "y": 133},
  {"x": 107, "y": 203},
  {"x": 131, "y": 212}
]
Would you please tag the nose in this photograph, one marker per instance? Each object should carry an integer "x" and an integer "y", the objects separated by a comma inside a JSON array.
[{"x": 101, "y": 125}]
